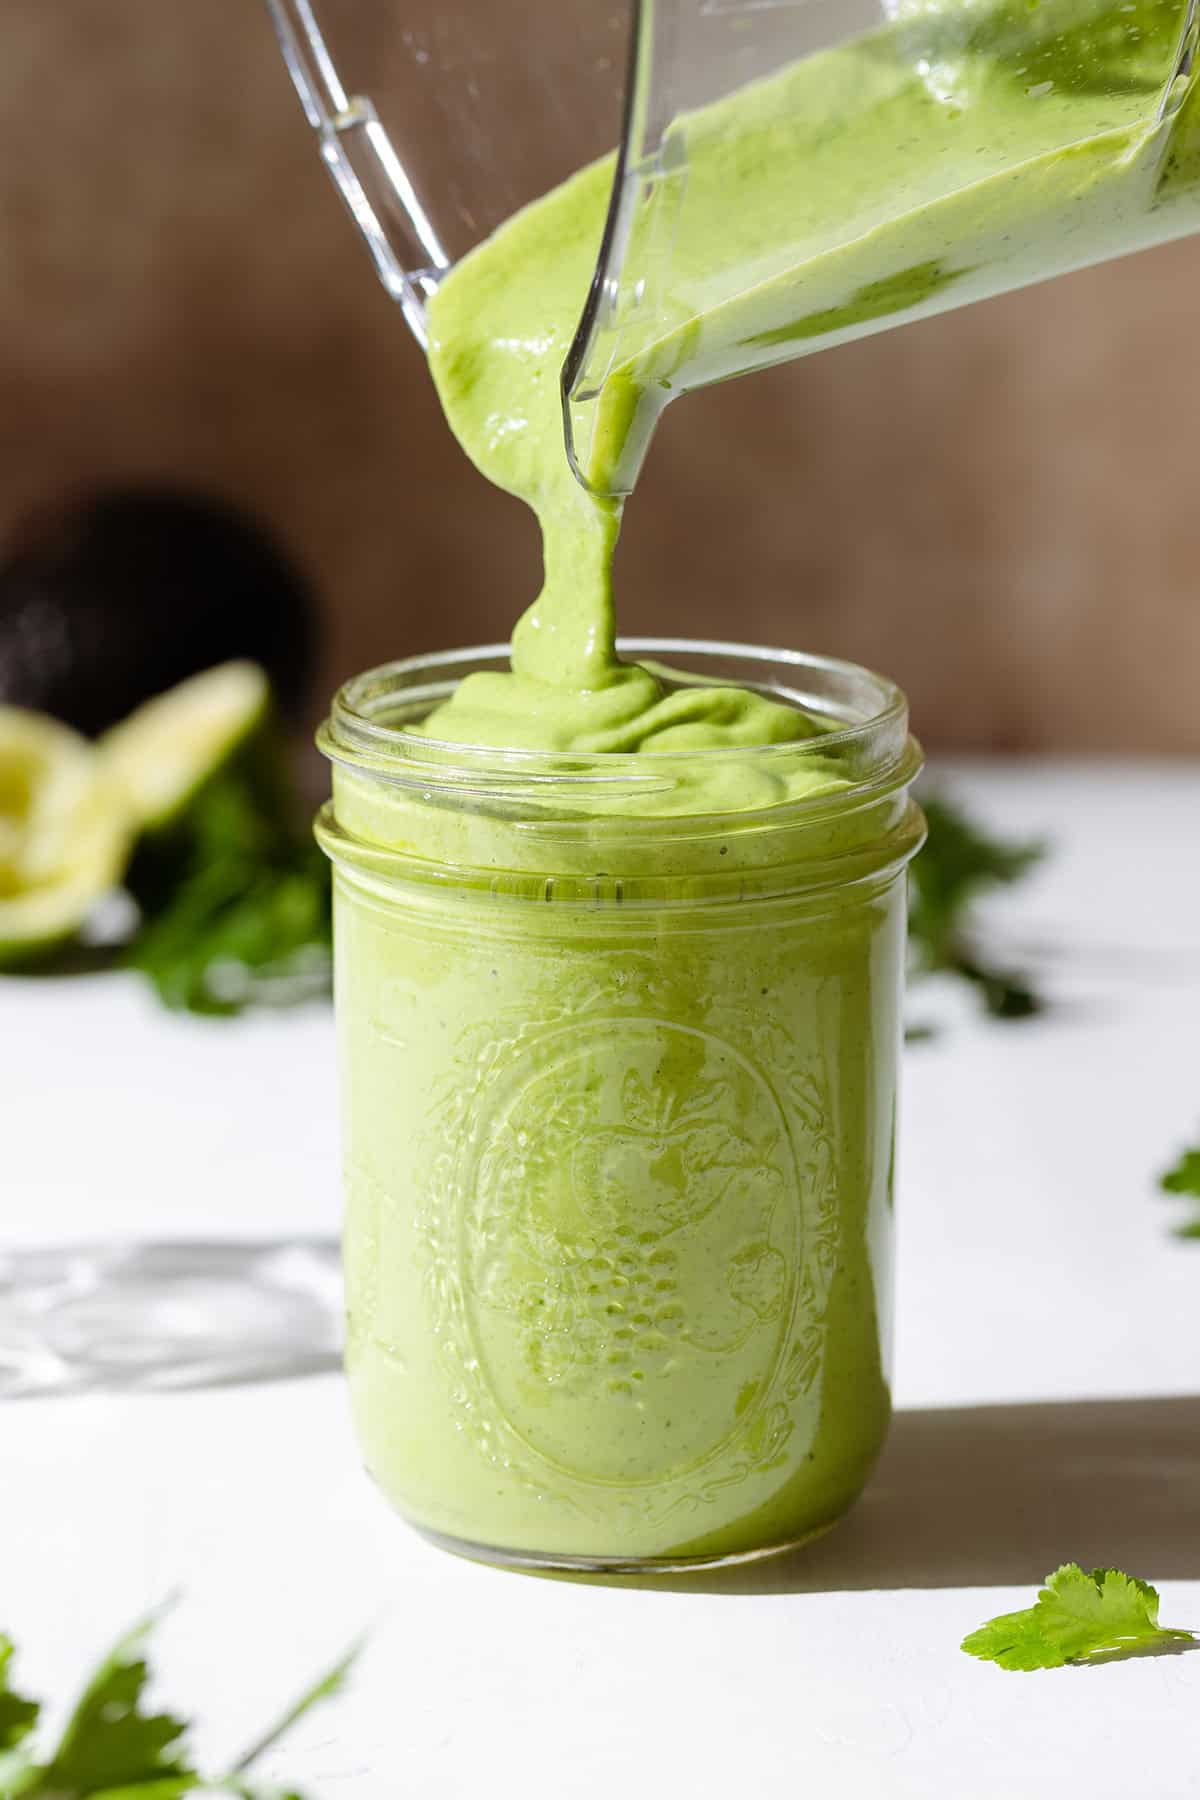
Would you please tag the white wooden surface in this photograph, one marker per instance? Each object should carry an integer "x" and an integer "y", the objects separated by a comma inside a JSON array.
[{"x": 1048, "y": 1373}]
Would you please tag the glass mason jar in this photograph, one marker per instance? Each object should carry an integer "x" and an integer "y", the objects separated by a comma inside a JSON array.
[{"x": 619, "y": 1110}]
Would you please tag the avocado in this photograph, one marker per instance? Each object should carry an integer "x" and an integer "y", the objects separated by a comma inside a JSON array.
[{"x": 110, "y": 597}]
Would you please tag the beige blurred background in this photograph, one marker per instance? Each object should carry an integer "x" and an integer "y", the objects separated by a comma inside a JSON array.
[{"x": 998, "y": 507}]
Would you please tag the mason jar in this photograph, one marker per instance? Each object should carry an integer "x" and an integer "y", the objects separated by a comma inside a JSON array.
[{"x": 619, "y": 1085}]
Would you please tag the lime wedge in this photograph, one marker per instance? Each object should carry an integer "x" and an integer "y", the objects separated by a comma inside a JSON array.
[
  {"x": 170, "y": 748},
  {"x": 64, "y": 832}
]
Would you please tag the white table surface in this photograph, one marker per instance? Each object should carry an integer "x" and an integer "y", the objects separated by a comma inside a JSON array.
[{"x": 1048, "y": 1372}]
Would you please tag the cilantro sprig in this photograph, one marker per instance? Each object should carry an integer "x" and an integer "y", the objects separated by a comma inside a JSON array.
[
  {"x": 241, "y": 931},
  {"x": 1080, "y": 1616},
  {"x": 235, "y": 899},
  {"x": 1183, "y": 1178},
  {"x": 958, "y": 863},
  {"x": 112, "y": 1748},
  {"x": 18, "y": 1717}
]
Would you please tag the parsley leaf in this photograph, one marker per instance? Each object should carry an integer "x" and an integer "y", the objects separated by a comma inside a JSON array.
[
  {"x": 109, "y": 1742},
  {"x": 113, "y": 1750},
  {"x": 1078, "y": 1617},
  {"x": 241, "y": 932},
  {"x": 957, "y": 864},
  {"x": 1184, "y": 1178},
  {"x": 18, "y": 1716}
]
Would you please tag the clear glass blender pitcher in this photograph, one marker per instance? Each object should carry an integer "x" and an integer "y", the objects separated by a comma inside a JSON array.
[{"x": 789, "y": 173}]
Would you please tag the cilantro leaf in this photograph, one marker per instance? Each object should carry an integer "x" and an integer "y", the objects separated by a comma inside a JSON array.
[
  {"x": 233, "y": 1786},
  {"x": 110, "y": 1744},
  {"x": 18, "y": 1716},
  {"x": 237, "y": 902},
  {"x": 1079, "y": 1616},
  {"x": 171, "y": 1787},
  {"x": 240, "y": 932},
  {"x": 957, "y": 864},
  {"x": 112, "y": 1750},
  {"x": 183, "y": 1788},
  {"x": 1184, "y": 1178},
  {"x": 1005, "y": 994}
]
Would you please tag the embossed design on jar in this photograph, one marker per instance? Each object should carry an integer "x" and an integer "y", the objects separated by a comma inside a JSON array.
[{"x": 628, "y": 1208}]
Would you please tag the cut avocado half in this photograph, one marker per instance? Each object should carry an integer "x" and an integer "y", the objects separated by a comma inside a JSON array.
[
  {"x": 163, "y": 754},
  {"x": 65, "y": 832}
]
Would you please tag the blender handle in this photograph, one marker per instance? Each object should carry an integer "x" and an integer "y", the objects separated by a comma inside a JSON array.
[
  {"x": 622, "y": 303},
  {"x": 363, "y": 164}
]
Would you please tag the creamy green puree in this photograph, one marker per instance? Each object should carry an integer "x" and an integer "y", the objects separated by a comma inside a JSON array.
[
  {"x": 620, "y": 1171},
  {"x": 959, "y": 151}
]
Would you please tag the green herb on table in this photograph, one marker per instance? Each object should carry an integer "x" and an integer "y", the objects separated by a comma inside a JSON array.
[
  {"x": 239, "y": 914},
  {"x": 958, "y": 863},
  {"x": 113, "y": 1749},
  {"x": 239, "y": 935},
  {"x": 1184, "y": 1178},
  {"x": 1079, "y": 1616}
]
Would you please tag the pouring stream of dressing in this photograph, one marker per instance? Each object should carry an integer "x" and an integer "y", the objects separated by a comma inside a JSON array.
[{"x": 860, "y": 186}]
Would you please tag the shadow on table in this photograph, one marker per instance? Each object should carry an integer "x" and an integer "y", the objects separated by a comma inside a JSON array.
[
  {"x": 164, "y": 1316},
  {"x": 992, "y": 1496}
]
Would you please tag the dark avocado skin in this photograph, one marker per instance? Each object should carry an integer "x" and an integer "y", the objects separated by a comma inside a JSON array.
[{"x": 112, "y": 597}]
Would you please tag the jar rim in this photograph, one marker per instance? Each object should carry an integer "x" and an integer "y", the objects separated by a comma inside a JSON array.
[
  {"x": 367, "y": 727},
  {"x": 601, "y": 828}
]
